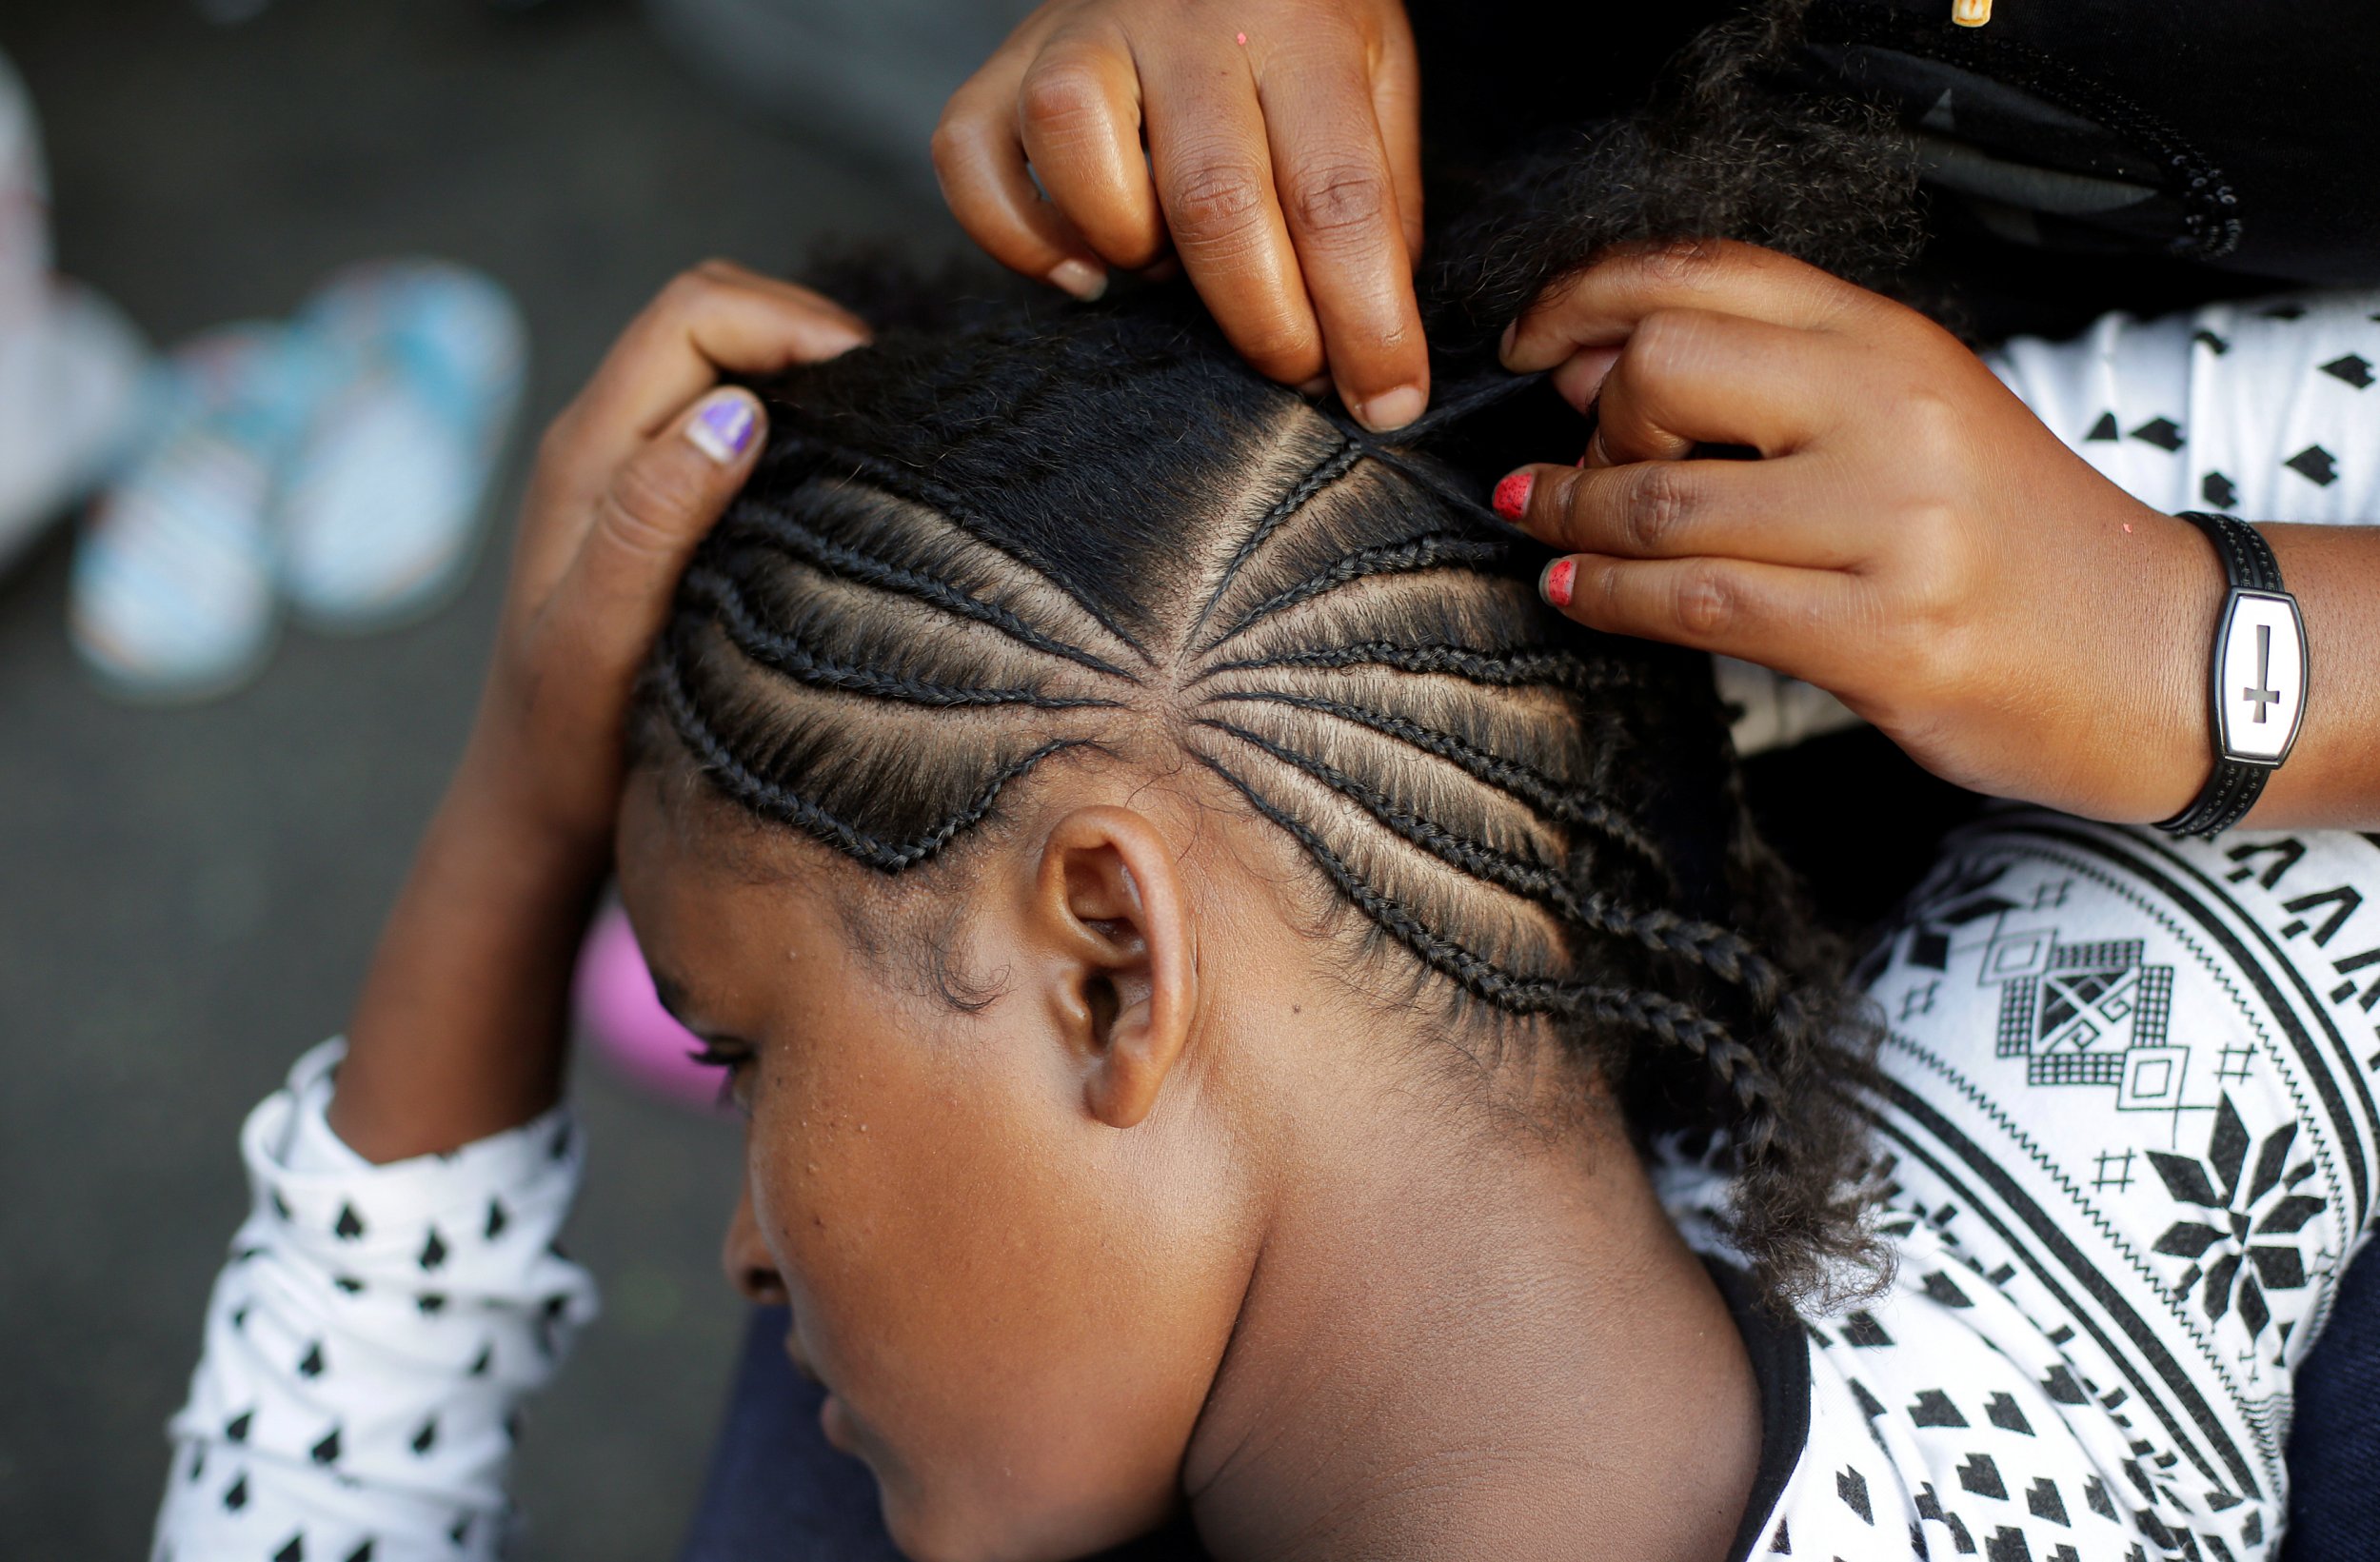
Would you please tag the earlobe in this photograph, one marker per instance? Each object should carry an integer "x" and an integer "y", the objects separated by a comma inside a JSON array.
[{"x": 1111, "y": 902}]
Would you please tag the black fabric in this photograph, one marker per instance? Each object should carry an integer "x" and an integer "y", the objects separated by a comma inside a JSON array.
[
  {"x": 1779, "y": 1349},
  {"x": 2334, "y": 1444},
  {"x": 2091, "y": 154}
]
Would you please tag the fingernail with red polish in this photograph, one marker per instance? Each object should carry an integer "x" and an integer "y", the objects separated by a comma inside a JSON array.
[
  {"x": 1512, "y": 495},
  {"x": 722, "y": 427},
  {"x": 1555, "y": 584}
]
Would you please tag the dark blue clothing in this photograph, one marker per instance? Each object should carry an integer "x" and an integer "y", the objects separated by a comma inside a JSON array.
[{"x": 2335, "y": 1449}]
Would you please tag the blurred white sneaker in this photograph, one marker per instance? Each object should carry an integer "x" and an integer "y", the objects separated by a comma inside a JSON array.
[
  {"x": 386, "y": 495},
  {"x": 173, "y": 596},
  {"x": 71, "y": 368},
  {"x": 71, "y": 389}
]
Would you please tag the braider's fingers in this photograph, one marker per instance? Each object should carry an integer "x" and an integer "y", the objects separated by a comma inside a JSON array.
[
  {"x": 1078, "y": 118},
  {"x": 1783, "y": 512},
  {"x": 1396, "y": 111},
  {"x": 611, "y": 600},
  {"x": 980, "y": 162},
  {"x": 1690, "y": 377},
  {"x": 1806, "y": 623},
  {"x": 1602, "y": 304},
  {"x": 1214, "y": 180},
  {"x": 1338, "y": 199}
]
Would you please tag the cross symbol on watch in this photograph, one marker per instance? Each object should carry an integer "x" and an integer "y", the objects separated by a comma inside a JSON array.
[{"x": 2265, "y": 698}]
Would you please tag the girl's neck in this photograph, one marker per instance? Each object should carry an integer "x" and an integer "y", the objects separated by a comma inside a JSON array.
[{"x": 1458, "y": 1344}]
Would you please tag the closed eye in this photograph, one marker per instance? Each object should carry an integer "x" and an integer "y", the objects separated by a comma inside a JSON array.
[{"x": 736, "y": 1060}]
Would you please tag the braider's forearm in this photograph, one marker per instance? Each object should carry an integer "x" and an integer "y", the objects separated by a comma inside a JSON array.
[
  {"x": 2332, "y": 776},
  {"x": 460, "y": 1029}
]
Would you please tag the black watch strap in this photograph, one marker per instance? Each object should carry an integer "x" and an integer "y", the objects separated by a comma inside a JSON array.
[{"x": 2256, "y": 678}]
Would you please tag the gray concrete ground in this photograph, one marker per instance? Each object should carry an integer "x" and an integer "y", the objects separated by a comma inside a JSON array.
[{"x": 186, "y": 898}]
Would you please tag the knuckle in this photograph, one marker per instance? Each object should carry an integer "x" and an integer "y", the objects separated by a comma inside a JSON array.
[
  {"x": 1338, "y": 200},
  {"x": 1931, "y": 420},
  {"x": 1679, "y": 263},
  {"x": 688, "y": 291},
  {"x": 1709, "y": 600},
  {"x": 947, "y": 148},
  {"x": 1216, "y": 200},
  {"x": 1661, "y": 506},
  {"x": 648, "y": 505},
  {"x": 1061, "y": 98}
]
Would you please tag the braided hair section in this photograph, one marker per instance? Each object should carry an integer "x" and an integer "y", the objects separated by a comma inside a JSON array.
[{"x": 974, "y": 554}]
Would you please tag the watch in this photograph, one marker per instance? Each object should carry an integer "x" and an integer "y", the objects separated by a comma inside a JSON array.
[{"x": 2256, "y": 678}]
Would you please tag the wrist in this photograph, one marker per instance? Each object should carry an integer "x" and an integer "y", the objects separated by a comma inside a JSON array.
[
  {"x": 2131, "y": 684},
  {"x": 500, "y": 799},
  {"x": 2176, "y": 752}
]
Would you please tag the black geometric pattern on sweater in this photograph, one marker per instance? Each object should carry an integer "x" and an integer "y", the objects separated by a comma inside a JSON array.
[
  {"x": 1852, "y": 1487},
  {"x": 2001, "y": 1411},
  {"x": 2315, "y": 464},
  {"x": 2218, "y": 490},
  {"x": 1934, "y": 1408},
  {"x": 2355, "y": 369},
  {"x": 2162, "y": 432},
  {"x": 1981, "y": 1476},
  {"x": 1860, "y": 1329}
]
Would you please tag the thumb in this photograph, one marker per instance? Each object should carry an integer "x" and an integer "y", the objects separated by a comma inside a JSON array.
[{"x": 659, "y": 506}]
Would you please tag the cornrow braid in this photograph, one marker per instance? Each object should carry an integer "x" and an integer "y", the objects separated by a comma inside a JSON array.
[
  {"x": 970, "y": 555},
  {"x": 786, "y": 806},
  {"x": 773, "y": 529},
  {"x": 1326, "y": 471},
  {"x": 783, "y": 653},
  {"x": 1507, "y": 669},
  {"x": 911, "y": 482},
  {"x": 1431, "y": 551}
]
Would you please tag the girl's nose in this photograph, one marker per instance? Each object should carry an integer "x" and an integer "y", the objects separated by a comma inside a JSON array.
[{"x": 750, "y": 1267}]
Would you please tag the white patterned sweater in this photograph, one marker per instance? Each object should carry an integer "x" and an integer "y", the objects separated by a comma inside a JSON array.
[{"x": 2129, "y": 1098}]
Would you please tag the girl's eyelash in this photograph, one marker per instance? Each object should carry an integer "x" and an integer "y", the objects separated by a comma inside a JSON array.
[
  {"x": 713, "y": 1055},
  {"x": 731, "y": 1060}
]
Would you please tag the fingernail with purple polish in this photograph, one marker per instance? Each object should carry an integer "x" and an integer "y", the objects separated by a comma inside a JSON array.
[{"x": 722, "y": 427}]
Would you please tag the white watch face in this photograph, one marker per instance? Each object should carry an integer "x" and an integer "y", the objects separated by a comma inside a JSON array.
[{"x": 2262, "y": 695}]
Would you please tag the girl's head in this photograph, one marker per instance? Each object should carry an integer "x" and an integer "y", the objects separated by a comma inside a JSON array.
[
  {"x": 1094, "y": 797},
  {"x": 1084, "y": 779}
]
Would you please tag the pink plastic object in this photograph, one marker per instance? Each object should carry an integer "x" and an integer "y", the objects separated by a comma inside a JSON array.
[{"x": 626, "y": 1024}]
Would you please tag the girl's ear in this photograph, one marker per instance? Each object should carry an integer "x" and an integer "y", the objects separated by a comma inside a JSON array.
[{"x": 1108, "y": 914}]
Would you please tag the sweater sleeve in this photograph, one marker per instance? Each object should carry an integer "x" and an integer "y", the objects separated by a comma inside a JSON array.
[
  {"x": 2265, "y": 409},
  {"x": 370, "y": 1341}
]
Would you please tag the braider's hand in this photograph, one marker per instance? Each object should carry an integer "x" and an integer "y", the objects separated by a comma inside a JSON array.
[
  {"x": 628, "y": 479},
  {"x": 460, "y": 1029},
  {"x": 1912, "y": 538},
  {"x": 1283, "y": 168}
]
